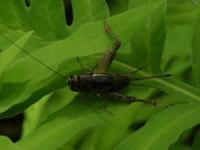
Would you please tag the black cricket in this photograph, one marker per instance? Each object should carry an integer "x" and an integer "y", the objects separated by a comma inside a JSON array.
[
  {"x": 98, "y": 82},
  {"x": 106, "y": 85}
]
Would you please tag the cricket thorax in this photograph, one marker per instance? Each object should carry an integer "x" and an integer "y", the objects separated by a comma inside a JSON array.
[{"x": 98, "y": 82}]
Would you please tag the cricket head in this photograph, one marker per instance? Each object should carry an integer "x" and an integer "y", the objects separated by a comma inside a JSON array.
[{"x": 73, "y": 82}]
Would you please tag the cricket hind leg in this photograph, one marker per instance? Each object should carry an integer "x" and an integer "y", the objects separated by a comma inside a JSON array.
[
  {"x": 128, "y": 99},
  {"x": 106, "y": 60}
]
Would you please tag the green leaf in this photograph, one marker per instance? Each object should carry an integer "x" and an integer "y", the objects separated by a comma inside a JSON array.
[
  {"x": 117, "y": 6},
  {"x": 45, "y": 18},
  {"x": 181, "y": 143},
  {"x": 163, "y": 129},
  {"x": 45, "y": 107},
  {"x": 150, "y": 45},
  {"x": 89, "y": 39},
  {"x": 196, "y": 52},
  {"x": 60, "y": 127},
  {"x": 8, "y": 55},
  {"x": 129, "y": 119},
  {"x": 6, "y": 143},
  {"x": 62, "y": 119},
  {"x": 88, "y": 11},
  {"x": 180, "y": 19},
  {"x": 196, "y": 144},
  {"x": 173, "y": 87}
]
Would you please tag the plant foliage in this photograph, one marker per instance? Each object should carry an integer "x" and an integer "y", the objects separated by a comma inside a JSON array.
[{"x": 165, "y": 32}]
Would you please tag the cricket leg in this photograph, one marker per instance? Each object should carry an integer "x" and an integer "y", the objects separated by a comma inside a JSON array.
[
  {"x": 104, "y": 105},
  {"x": 142, "y": 85},
  {"x": 129, "y": 99},
  {"x": 83, "y": 65},
  {"x": 106, "y": 60}
]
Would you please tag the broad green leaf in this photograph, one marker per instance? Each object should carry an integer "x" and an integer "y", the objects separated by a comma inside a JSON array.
[
  {"x": 89, "y": 39},
  {"x": 61, "y": 126},
  {"x": 196, "y": 52},
  {"x": 8, "y": 18},
  {"x": 35, "y": 17},
  {"x": 63, "y": 119},
  {"x": 117, "y": 6},
  {"x": 150, "y": 45},
  {"x": 181, "y": 143},
  {"x": 46, "y": 106},
  {"x": 180, "y": 19},
  {"x": 196, "y": 144},
  {"x": 180, "y": 146},
  {"x": 8, "y": 55},
  {"x": 88, "y": 11},
  {"x": 122, "y": 124},
  {"x": 33, "y": 112},
  {"x": 163, "y": 129},
  {"x": 76, "y": 117},
  {"x": 33, "y": 44},
  {"x": 7, "y": 144}
]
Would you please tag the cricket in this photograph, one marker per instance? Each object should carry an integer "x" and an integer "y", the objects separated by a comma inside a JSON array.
[
  {"x": 96, "y": 80},
  {"x": 107, "y": 85}
]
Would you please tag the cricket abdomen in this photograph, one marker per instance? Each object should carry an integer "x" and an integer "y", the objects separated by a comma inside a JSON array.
[{"x": 98, "y": 82}]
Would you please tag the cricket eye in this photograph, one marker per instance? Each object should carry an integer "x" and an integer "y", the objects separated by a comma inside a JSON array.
[{"x": 69, "y": 80}]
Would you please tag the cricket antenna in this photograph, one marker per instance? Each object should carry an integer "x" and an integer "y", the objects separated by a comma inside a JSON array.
[
  {"x": 153, "y": 76},
  {"x": 142, "y": 67},
  {"x": 37, "y": 60}
]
